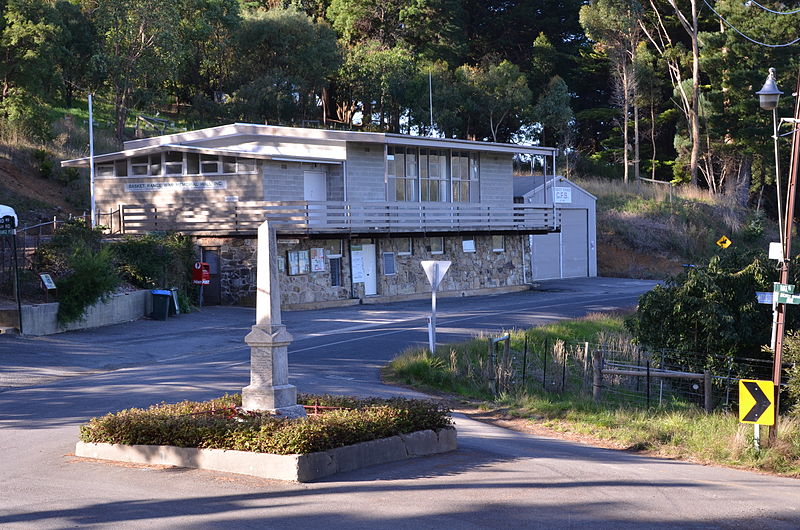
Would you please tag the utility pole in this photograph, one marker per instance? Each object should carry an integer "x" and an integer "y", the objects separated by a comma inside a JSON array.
[{"x": 777, "y": 367}]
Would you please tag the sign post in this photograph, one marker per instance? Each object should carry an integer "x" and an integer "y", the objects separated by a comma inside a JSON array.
[
  {"x": 8, "y": 227},
  {"x": 435, "y": 271}
]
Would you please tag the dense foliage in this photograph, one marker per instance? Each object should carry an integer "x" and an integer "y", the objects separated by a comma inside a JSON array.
[
  {"x": 218, "y": 424},
  {"x": 87, "y": 270},
  {"x": 623, "y": 87}
]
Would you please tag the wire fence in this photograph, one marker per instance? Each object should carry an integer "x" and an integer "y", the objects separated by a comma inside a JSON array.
[{"x": 612, "y": 371}]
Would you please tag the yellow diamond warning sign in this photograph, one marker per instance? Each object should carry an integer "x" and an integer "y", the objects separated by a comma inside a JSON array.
[
  {"x": 756, "y": 402},
  {"x": 724, "y": 242}
]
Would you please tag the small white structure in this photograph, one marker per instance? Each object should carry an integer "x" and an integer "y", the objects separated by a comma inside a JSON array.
[{"x": 572, "y": 251}]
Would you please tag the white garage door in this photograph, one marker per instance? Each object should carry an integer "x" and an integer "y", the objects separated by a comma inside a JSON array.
[
  {"x": 564, "y": 255},
  {"x": 574, "y": 243}
]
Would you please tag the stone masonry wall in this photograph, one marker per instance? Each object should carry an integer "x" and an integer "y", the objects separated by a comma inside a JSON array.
[{"x": 484, "y": 268}]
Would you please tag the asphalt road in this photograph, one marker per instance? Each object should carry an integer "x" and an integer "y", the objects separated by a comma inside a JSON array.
[{"x": 50, "y": 385}]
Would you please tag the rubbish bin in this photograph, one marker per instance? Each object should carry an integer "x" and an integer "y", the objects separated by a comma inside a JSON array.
[{"x": 161, "y": 301}]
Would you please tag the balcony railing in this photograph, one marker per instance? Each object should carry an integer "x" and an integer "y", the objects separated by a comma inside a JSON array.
[{"x": 300, "y": 217}]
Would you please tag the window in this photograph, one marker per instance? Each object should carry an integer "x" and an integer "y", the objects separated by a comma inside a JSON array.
[
  {"x": 465, "y": 176},
  {"x": 433, "y": 175},
  {"x": 246, "y": 165},
  {"x": 336, "y": 272},
  {"x": 192, "y": 164},
  {"x": 121, "y": 167},
  {"x": 333, "y": 248},
  {"x": 228, "y": 164},
  {"x": 389, "y": 268},
  {"x": 402, "y": 171},
  {"x": 140, "y": 165},
  {"x": 173, "y": 163},
  {"x": 468, "y": 244},
  {"x": 437, "y": 245},
  {"x": 498, "y": 243},
  {"x": 404, "y": 247},
  {"x": 209, "y": 164},
  {"x": 104, "y": 170},
  {"x": 155, "y": 164}
]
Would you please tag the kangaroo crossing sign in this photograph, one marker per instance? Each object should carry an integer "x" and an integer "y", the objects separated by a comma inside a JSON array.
[{"x": 757, "y": 402}]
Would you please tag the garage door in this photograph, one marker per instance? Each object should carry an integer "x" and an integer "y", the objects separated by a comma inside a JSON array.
[
  {"x": 545, "y": 256},
  {"x": 575, "y": 243}
]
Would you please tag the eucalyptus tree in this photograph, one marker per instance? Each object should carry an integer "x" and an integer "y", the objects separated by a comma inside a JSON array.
[
  {"x": 614, "y": 25},
  {"x": 139, "y": 50},
  {"x": 286, "y": 59},
  {"x": 28, "y": 30}
]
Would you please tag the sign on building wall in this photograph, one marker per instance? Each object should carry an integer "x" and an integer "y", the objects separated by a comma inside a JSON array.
[
  {"x": 299, "y": 262},
  {"x": 357, "y": 257},
  {"x": 177, "y": 186},
  {"x": 317, "y": 260},
  {"x": 563, "y": 194}
]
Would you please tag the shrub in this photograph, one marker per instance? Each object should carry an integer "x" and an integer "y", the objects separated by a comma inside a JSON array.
[
  {"x": 92, "y": 279},
  {"x": 155, "y": 260},
  {"x": 219, "y": 424}
]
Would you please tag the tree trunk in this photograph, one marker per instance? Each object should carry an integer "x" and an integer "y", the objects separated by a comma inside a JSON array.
[
  {"x": 694, "y": 116},
  {"x": 625, "y": 140},
  {"x": 636, "y": 166}
]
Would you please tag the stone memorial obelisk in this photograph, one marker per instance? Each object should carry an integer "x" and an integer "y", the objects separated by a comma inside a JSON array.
[{"x": 269, "y": 388}]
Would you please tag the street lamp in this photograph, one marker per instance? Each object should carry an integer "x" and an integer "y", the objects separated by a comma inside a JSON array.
[{"x": 768, "y": 99}]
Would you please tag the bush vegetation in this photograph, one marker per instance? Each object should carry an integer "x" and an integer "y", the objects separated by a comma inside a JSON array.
[
  {"x": 676, "y": 428},
  {"x": 87, "y": 270},
  {"x": 219, "y": 424}
]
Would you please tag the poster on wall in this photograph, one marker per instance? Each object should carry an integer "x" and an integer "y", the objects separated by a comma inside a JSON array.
[
  {"x": 305, "y": 262},
  {"x": 294, "y": 263},
  {"x": 317, "y": 260},
  {"x": 357, "y": 258},
  {"x": 281, "y": 265}
]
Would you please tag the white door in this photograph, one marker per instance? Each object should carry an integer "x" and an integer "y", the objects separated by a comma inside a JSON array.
[
  {"x": 314, "y": 191},
  {"x": 575, "y": 243},
  {"x": 546, "y": 256},
  {"x": 370, "y": 270}
]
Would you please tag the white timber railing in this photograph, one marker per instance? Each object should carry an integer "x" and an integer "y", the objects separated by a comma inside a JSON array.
[{"x": 337, "y": 216}]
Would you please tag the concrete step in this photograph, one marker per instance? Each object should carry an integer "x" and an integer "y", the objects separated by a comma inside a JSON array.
[{"x": 6, "y": 329}]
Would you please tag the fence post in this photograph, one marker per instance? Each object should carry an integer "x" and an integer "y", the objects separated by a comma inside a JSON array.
[
  {"x": 707, "y": 390},
  {"x": 585, "y": 365},
  {"x": 524, "y": 360},
  {"x": 544, "y": 365},
  {"x": 564, "y": 370},
  {"x": 648, "y": 383},
  {"x": 121, "y": 218},
  {"x": 492, "y": 370},
  {"x": 597, "y": 373}
]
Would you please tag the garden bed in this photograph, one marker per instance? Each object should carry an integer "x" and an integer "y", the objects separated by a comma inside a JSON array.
[{"x": 340, "y": 434}]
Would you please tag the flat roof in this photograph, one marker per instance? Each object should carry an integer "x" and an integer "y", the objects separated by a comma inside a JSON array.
[{"x": 184, "y": 142}]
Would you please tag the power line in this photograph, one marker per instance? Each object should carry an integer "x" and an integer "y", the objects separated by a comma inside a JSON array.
[
  {"x": 753, "y": 2},
  {"x": 734, "y": 28}
]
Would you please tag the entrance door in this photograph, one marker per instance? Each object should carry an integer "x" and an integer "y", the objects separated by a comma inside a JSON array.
[
  {"x": 370, "y": 270},
  {"x": 212, "y": 291},
  {"x": 314, "y": 192}
]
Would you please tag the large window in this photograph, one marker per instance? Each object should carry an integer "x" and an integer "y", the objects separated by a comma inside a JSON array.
[
  {"x": 403, "y": 173},
  {"x": 433, "y": 175},
  {"x": 429, "y": 175},
  {"x": 465, "y": 173}
]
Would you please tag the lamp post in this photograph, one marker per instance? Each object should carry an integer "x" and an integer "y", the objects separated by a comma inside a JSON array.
[{"x": 768, "y": 99}]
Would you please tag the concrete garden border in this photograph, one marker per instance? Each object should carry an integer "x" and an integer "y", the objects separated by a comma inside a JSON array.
[{"x": 299, "y": 467}]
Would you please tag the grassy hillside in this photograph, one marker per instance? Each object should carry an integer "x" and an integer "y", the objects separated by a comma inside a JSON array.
[{"x": 651, "y": 232}]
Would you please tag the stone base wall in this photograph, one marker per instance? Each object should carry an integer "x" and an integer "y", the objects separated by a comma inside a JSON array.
[{"x": 484, "y": 268}]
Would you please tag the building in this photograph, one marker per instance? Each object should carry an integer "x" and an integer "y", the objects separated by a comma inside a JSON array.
[{"x": 355, "y": 212}]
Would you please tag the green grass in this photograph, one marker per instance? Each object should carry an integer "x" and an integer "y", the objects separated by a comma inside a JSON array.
[{"x": 677, "y": 429}]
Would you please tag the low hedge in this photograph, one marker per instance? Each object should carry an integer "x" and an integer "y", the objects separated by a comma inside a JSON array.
[{"x": 218, "y": 424}]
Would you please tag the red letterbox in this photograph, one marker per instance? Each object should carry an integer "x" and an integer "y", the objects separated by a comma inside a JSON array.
[{"x": 201, "y": 274}]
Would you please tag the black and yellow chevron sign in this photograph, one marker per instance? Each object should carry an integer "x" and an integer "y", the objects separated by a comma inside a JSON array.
[{"x": 756, "y": 402}]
